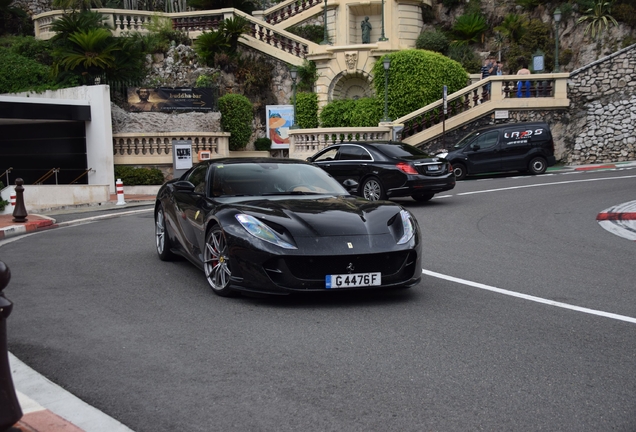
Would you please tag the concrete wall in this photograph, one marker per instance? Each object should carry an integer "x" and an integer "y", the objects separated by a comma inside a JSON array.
[
  {"x": 99, "y": 138},
  {"x": 42, "y": 197}
]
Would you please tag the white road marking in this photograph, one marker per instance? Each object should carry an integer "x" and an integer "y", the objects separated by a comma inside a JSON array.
[
  {"x": 529, "y": 297},
  {"x": 546, "y": 184}
]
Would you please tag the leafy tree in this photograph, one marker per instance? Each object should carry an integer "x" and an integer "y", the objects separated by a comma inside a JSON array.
[
  {"x": 416, "y": 79},
  {"x": 466, "y": 56},
  {"x": 236, "y": 118},
  {"x": 469, "y": 28},
  {"x": 599, "y": 18},
  {"x": 81, "y": 5},
  {"x": 513, "y": 27},
  {"x": 434, "y": 40},
  {"x": 307, "y": 76},
  {"x": 14, "y": 20}
]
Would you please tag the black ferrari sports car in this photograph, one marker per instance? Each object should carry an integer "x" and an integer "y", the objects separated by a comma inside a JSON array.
[{"x": 282, "y": 225}]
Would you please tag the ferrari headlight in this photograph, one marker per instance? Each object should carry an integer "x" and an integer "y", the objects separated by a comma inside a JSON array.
[
  {"x": 259, "y": 230},
  {"x": 408, "y": 226}
]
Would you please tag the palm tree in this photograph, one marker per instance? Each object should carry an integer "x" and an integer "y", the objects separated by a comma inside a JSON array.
[
  {"x": 469, "y": 28},
  {"x": 513, "y": 27},
  {"x": 599, "y": 18},
  {"x": 233, "y": 28},
  {"x": 89, "y": 53}
]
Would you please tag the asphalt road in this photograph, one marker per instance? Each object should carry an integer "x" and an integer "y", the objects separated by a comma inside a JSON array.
[{"x": 537, "y": 331}]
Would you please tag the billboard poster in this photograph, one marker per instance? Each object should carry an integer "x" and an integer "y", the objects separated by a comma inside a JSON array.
[
  {"x": 143, "y": 99},
  {"x": 279, "y": 119}
]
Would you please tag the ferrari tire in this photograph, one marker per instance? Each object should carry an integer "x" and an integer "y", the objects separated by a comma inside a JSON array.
[
  {"x": 373, "y": 190},
  {"x": 216, "y": 262},
  {"x": 459, "y": 170},
  {"x": 423, "y": 197},
  {"x": 162, "y": 239},
  {"x": 537, "y": 165}
]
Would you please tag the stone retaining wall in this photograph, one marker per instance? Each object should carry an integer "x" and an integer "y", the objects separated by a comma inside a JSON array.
[{"x": 602, "y": 126}]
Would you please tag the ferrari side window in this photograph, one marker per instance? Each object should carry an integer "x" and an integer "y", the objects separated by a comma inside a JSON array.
[{"x": 197, "y": 178}]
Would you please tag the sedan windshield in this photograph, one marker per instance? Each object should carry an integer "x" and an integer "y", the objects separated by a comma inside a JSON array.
[{"x": 262, "y": 179}]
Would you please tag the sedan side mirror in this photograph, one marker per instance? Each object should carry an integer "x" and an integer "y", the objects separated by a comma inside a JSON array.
[
  {"x": 350, "y": 185},
  {"x": 184, "y": 186}
]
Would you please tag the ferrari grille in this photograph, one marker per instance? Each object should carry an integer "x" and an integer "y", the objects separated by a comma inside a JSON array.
[{"x": 316, "y": 267}]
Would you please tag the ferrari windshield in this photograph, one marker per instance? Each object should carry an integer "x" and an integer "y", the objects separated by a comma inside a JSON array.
[{"x": 261, "y": 179}]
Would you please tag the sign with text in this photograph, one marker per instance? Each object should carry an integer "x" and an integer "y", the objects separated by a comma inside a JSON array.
[
  {"x": 142, "y": 99},
  {"x": 182, "y": 154}
]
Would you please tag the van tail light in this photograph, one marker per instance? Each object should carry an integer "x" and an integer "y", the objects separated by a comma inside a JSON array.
[{"x": 406, "y": 168}]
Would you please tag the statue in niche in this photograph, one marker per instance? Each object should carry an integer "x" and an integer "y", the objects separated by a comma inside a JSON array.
[{"x": 366, "y": 30}]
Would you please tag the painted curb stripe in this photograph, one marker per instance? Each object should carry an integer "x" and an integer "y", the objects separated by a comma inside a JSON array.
[
  {"x": 616, "y": 216},
  {"x": 612, "y": 166}
]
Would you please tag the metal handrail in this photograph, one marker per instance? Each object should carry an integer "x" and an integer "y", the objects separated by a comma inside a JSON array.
[
  {"x": 47, "y": 176},
  {"x": 81, "y": 175},
  {"x": 7, "y": 173}
]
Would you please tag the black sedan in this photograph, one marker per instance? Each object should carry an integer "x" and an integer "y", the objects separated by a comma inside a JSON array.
[
  {"x": 386, "y": 170},
  {"x": 282, "y": 225}
]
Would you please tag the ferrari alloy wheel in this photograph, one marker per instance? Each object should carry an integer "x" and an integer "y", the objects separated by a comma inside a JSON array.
[
  {"x": 216, "y": 262},
  {"x": 162, "y": 239},
  {"x": 372, "y": 189}
]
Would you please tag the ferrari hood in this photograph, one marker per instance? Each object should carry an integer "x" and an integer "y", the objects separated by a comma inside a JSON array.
[{"x": 329, "y": 216}]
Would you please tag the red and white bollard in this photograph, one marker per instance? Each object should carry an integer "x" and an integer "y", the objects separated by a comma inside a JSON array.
[
  {"x": 120, "y": 192},
  {"x": 12, "y": 198}
]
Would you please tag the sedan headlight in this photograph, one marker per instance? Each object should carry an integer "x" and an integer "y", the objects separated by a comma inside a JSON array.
[
  {"x": 259, "y": 230},
  {"x": 408, "y": 226}
]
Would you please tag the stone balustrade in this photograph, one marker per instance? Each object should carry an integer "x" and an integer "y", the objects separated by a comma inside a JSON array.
[
  {"x": 306, "y": 142},
  {"x": 156, "y": 148}
]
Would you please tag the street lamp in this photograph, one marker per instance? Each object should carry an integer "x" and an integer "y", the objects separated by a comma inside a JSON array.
[
  {"x": 386, "y": 63},
  {"x": 557, "y": 19},
  {"x": 382, "y": 38},
  {"x": 325, "y": 39},
  {"x": 294, "y": 74}
]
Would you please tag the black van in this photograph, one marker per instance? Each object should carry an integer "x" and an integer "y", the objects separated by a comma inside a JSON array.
[{"x": 505, "y": 147}]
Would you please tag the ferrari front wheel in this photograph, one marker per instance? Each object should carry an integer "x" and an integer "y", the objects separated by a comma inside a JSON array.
[{"x": 216, "y": 262}]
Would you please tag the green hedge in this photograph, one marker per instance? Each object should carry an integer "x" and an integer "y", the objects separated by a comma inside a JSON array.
[
  {"x": 307, "y": 110},
  {"x": 132, "y": 176},
  {"x": 416, "y": 79},
  {"x": 263, "y": 144},
  {"x": 236, "y": 118}
]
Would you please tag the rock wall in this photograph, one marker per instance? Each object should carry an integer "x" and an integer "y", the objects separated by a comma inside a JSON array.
[{"x": 602, "y": 124}]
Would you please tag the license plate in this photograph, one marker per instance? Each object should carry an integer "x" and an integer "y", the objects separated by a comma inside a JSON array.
[
  {"x": 432, "y": 167},
  {"x": 353, "y": 280}
]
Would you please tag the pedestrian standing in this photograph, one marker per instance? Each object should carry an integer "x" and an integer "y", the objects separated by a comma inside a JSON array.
[{"x": 523, "y": 87}]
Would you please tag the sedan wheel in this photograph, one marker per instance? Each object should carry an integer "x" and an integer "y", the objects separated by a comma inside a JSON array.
[
  {"x": 216, "y": 262},
  {"x": 162, "y": 239},
  {"x": 372, "y": 190}
]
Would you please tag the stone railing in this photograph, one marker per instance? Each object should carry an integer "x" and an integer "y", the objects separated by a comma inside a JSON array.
[
  {"x": 193, "y": 23},
  {"x": 285, "y": 10},
  {"x": 540, "y": 91},
  {"x": 156, "y": 148},
  {"x": 306, "y": 142}
]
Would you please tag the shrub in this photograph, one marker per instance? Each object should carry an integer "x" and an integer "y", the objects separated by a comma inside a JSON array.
[
  {"x": 625, "y": 13},
  {"x": 263, "y": 144},
  {"x": 367, "y": 112},
  {"x": 433, "y": 40},
  {"x": 18, "y": 73},
  {"x": 236, "y": 118},
  {"x": 132, "y": 176},
  {"x": 337, "y": 113},
  {"x": 416, "y": 79},
  {"x": 3, "y": 203},
  {"x": 307, "y": 110}
]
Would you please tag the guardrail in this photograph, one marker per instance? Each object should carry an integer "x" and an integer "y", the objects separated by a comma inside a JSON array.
[{"x": 306, "y": 142}]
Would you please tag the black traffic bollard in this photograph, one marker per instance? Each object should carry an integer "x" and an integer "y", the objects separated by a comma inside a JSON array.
[
  {"x": 19, "y": 213},
  {"x": 10, "y": 411}
]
